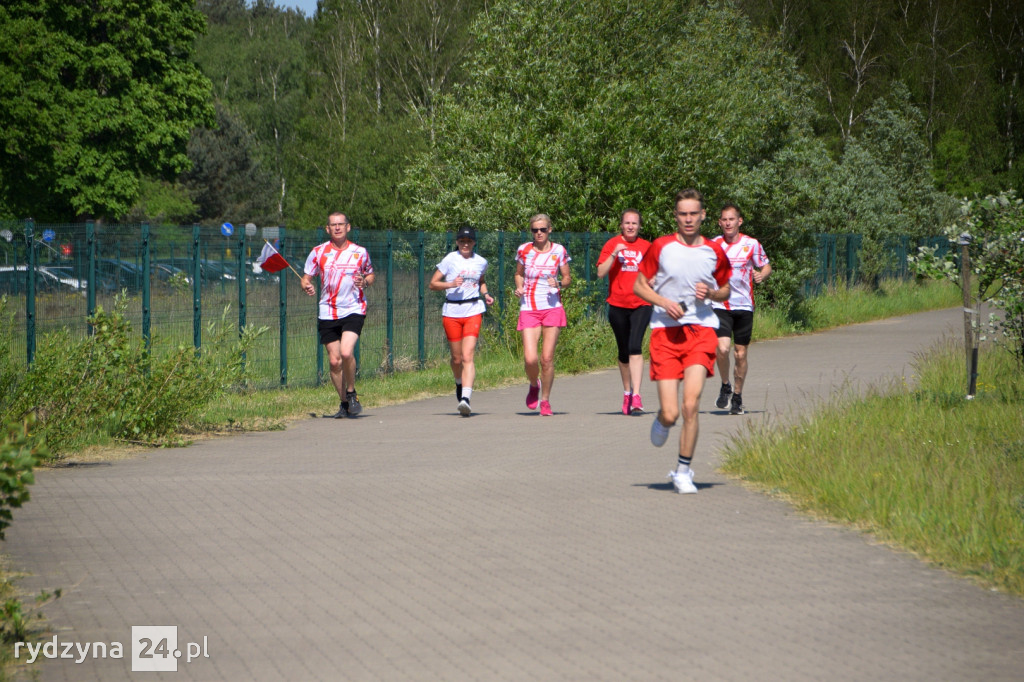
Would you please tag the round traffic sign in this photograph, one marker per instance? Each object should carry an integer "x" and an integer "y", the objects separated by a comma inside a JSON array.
[{"x": 227, "y": 229}]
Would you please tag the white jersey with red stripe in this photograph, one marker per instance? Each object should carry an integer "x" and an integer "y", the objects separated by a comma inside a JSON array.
[
  {"x": 339, "y": 296},
  {"x": 674, "y": 269},
  {"x": 537, "y": 267},
  {"x": 744, "y": 254}
]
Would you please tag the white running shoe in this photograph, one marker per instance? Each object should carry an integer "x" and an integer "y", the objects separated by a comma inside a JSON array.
[
  {"x": 464, "y": 409},
  {"x": 683, "y": 482},
  {"x": 659, "y": 432}
]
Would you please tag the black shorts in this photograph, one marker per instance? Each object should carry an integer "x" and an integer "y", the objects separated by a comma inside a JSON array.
[
  {"x": 331, "y": 330},
  {"x": 739, "y": 324}
]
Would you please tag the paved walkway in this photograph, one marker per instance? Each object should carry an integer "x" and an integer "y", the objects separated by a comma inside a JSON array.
[{"x": 412, "y": 544}]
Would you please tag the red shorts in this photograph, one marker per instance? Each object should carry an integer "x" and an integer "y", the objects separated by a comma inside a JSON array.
[
  {"x": 458, "y": 328},
  {"x": 673, "y": 349}
]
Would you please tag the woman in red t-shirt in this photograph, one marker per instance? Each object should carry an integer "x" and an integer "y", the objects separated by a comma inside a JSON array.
[{"x": 628, "y": 314}]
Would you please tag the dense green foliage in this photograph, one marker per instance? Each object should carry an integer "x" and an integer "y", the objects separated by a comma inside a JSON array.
[
  {"x": 559, "y": 115},
  {"x": 994, "y": 229},
  {"x": 617, "y": 103},
  {"x": 95, "y": 95},
  {"x": 20, "y": 451}
]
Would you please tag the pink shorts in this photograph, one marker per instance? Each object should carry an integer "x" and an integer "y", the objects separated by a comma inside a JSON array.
[
  {"x": 673, "y": 349},
  {"x": 552, "y": 317}
]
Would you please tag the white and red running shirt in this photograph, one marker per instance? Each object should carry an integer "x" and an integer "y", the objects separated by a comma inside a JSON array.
[
  {"x": 537, "y": 267},
  {"x": 339, "y": 296},
  {"x": 674, "y": 270},
  {"x": 745, "y": 254},
  {"x": 471, "y": 269},
  {"x": 622, "y": 274}
]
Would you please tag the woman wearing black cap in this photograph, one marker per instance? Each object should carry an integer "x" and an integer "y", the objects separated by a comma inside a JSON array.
[{"x": 460, "y": 275}]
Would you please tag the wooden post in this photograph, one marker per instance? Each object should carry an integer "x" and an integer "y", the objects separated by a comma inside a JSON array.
[{"x": 970, "y": 343}]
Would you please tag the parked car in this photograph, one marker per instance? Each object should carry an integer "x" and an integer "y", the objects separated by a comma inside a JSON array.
[
  {"x": 117, "y": 274},
  {"x": 114, "y": 274},
  {"x": 66, "y": 274},
  {"x": 12, "y": 280},
  {"x": 209, "y": 270}
]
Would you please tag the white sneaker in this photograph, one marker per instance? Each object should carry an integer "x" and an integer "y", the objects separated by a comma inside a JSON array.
[
  {"x": 464, "y": 409},
  {"x": 683, "y": 482},
  {"x": 659, "y": 432}
]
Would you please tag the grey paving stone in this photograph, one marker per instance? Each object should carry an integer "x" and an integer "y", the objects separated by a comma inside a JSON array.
[{"x": 414, "y": 544}]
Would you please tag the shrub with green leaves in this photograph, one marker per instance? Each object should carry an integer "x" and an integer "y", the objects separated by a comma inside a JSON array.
[
  {"x": 20, "y": 451},
  {"x": 994, "y": 228},
  {"x": 109, "y": 385}
]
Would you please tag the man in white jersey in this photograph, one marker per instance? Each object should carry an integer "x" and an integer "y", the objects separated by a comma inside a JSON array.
[
  {"x": 736, "y": 316},
  {"x": 688, "y": 272},
  {"x": 345, "y": 271}
]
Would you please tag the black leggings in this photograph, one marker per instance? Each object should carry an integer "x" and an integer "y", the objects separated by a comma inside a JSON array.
[{"x": 629, "y": 326}]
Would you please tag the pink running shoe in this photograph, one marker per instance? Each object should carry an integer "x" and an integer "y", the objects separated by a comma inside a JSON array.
[
  {"x": 626, "y": 402},
  {"x": 531, "y": 397},
  {"x": 545, "y": 409},
  {"x": 637, "y": 405}
]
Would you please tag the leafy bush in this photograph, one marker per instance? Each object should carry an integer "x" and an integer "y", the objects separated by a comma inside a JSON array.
[
  {"x": 994, "y": 227},
  {"x": 110, "y": 385},
  {"x": 20, "y": 451},
  {"x": 582, "y": 128},
  {"x": 9, "y": 369}
]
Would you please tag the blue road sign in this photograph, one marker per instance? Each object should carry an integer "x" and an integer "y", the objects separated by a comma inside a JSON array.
[
  {"x": 49, "y": 235},
  {"x": 227, "y": 229}
]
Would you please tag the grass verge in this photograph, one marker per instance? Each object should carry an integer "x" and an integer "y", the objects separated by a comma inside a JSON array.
[{"x": 919, "y": 467}]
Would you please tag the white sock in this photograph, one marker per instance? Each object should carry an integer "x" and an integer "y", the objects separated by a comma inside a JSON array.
[{"x": 466, "y": 393}]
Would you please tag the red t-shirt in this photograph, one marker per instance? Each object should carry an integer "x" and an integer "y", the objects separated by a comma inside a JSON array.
[{"x": 623, "y": 272}]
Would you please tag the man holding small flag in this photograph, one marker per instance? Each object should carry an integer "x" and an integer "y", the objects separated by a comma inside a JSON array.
[{"x": 345, "y": 271}]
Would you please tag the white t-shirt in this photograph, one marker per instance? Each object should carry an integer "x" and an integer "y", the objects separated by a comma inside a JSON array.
[
  {"x": 339, "y": 296},
  {"x": 745, "y": 254},
  {"x": 537, "y": 267},
  {"x": 471, "y": 269},
  {"x": 674, "y": 269}
]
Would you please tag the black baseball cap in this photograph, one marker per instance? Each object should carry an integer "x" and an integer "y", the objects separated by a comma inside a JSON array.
[{"x": 466, "y": 232}]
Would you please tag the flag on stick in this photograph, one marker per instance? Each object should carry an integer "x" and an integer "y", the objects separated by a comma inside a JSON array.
[{"x": 270, "y": 260}]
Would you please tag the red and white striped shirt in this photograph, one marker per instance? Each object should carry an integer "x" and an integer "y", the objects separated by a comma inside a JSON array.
[
  {"x": 339, "y": 296},
  {"x": 745, "y": 254},
  {"x": 537, "y": 267}
]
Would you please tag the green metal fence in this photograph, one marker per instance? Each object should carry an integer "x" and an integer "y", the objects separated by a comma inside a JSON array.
[{"x": 178, "y": 279}]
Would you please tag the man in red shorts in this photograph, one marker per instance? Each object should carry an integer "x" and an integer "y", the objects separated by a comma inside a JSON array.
[{"x": 688, "y": 273}]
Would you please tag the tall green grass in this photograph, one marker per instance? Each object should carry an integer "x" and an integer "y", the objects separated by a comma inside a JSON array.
[{"x": 919, "y": 466}]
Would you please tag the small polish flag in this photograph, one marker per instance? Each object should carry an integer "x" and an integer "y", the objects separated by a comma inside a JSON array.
[{"x": 270, "y": 260}]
